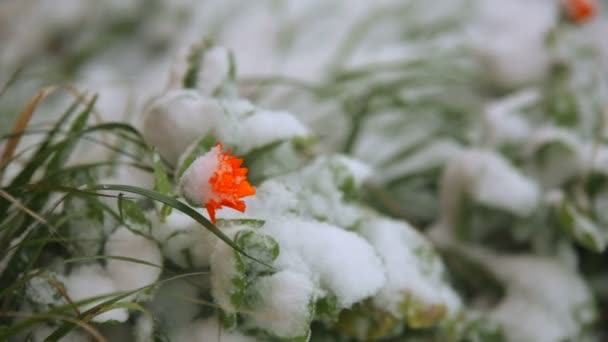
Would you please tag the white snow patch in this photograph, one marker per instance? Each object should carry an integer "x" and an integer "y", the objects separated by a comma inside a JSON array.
[
  {"x": 265, "y": 127},
  {"x": 341, "y": 262},
  {"x": 180, "y": 235},
  {"x": 174, "y": 305},
  {"x": 513, "y": 51},
  {"x": 489, "y": 179},
  {"x": 208, "y": 330},
  {"x": 144, "y": 329},
  {"x": 89, "y": 281},
  {"x": 223, "y": 271},
  {"x": 503, "y": 120},
  {"x": 283, "y": 304},
  {"x": 411, "y": 266},
  {"x": 176, "y": 119},
  {"x": 129, "y": 275},
  {"x": 541, "y": 293},
  {"x": 194, "y": 185},
  {"x": 558, "y": 165},
  {"x": 431, "y": 156}
]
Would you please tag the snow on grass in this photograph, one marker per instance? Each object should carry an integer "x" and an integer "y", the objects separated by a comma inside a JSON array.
[
  {"x": 541, "y": 292},
  {"x": 176, "y": 119},
  {"x": 487, "y": 178},
  {"x": 130, "y": 275},
  {"x": 92, "y": 280},
  {"x": 513, "y": 51},
  {"x": 227, "y": 272},
  {"x": 283, "y": 304},
  {"x": 208, "y": 330},
  {"x": 411, "y": 265},
  {"x": 183, "y": 240},
  {"x": 320, "y": 190},
  {"x": 261, "y": 128},
  {"x": 339, "y": 262}
]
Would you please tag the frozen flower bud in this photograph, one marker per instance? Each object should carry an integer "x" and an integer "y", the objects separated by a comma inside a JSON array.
[
  {"x": 216, "y": 179},
  {"x": 176, "y": 119}
]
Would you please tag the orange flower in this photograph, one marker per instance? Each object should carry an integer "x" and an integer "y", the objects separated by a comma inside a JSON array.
[
  {"x": 580, "y": 10},
  {"x": 228, "y": 184}
]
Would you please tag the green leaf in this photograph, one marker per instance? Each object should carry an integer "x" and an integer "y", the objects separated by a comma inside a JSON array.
[
  {"x": 161, "y": 183},
  {"x": 366, "y": 322},
  {"x": 581, "y": 228},
  {"x": 251, "y": 223},
  {"x": 238, "y": 283},
  {"x": 193, "y": 61},
  {"x": 41, "y": 154},
  {"x": 228, "y": 319},
  {"x": 68, "y": 145},
  {"x": 419, "y": 314},
  {"x": 463, "y": 329},
  {"x": 132, "y": 216},
  {"x": 327, "y": 308},
  {"x": 228, "y": 88},
  {"x": 115, "y": 257},
  {"x": 260, "y": 246}
]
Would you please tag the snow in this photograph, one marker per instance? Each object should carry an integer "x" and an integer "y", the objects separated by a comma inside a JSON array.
[
  {"x": 283, "y": 304},
  {"x": 130, "y": 275},
  {"x": 568, "y": 158},
  {"x": 176, "y": 119},
  {"x": 411, "y": 266},
  {"x": 271, "y": 198},
  {"x": 504, "y": 121},
  {"x": 44, "y": 289},
  {"x": 317, "y": 191},
  {"x": 174, "y": 305},
  {"x": 331, "y": 244},
  {"x": 214, "y": 70},
  {"x": 430, "y": 156},
  {"x": 263, "y": 128},
  {"x": 89, "y": 281},
  {"x": 144, "y": 328},
  {"x": 488, "y": 179},
  {"x": 339, "y": 261},
  {"x": 194, "y": 185},
  {"x": 183, "y": 240},
  {"x": 320, "y": 187},
  {"x": 208, "y": 330},
  {"x": 548, "y": 134},
  {"x": 225, "y": 268},
  {"x": 541, "y": 293},
  {"x": 513, "y": 51},
  {"x": 248, "y": 127}
]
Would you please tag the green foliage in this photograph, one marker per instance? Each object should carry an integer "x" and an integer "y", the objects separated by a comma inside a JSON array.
[
  {"x": 260, "y": 246},
  {"x": 133, "y": 216},
  {"x": 161, "y": 183},
  {"x": 581, "y": 228}
]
